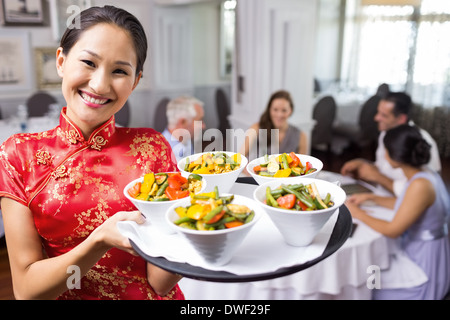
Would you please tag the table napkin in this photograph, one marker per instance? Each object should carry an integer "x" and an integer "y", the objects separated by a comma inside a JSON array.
[{"x": 262, "y": 251}]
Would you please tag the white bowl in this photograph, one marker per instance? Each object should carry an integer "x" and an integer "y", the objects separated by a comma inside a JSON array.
[
  {"x": 316, "y": 163},
  {"x": 216, "y": 246},
  {"x": 154, "y": 211},
  {"x": 224, "y": 181},
  {"x": 299, "y": 228}
]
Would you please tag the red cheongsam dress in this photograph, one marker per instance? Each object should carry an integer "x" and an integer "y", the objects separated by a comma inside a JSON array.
[{"x": 72, "y": 186}]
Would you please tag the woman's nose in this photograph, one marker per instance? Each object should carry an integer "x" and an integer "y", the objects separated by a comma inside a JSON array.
[{"x": 100, "y": 82}]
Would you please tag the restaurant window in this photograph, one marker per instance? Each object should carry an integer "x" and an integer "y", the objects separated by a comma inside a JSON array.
[{"x": 405, "y": 46}]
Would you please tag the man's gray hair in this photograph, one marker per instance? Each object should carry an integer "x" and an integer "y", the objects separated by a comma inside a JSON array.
[{"x": 181, "y": 108}]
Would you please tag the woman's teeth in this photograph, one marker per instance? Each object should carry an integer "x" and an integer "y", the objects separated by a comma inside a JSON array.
[{"x": 93, "y": 100}]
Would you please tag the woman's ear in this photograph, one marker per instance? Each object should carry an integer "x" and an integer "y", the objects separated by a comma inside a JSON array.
[
  {"x": 138, "y": 78},
  {"x": 60, "y": 59}
]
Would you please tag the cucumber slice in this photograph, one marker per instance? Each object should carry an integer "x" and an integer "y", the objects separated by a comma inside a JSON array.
[
  {"x": 265, "y": 162},
  {"x": 160, "y": 178},
  {"x": 273, "y": 167}
]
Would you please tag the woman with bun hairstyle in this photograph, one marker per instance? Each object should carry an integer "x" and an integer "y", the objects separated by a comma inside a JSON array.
[
  {"x": 420, "y": 224},
  {"x": 61, "y": 190}
]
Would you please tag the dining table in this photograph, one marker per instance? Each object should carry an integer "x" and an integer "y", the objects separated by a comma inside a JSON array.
[{"x": 346, "y": 274}]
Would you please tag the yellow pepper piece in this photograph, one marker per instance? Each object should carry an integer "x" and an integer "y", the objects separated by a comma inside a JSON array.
[
  {"x": 203, "y": 170},
  {"x": 142, "y": 196},
  {"x": 147, "y": 184},
  {"x": 282, "y": 173},
  {"x": 211, "y": 194},
  {"x": 181, "y": 211},
  {"x": 288, "y": 158},
  {"x": 197, "y": 211},
  {"x": 237, "y": 158}
]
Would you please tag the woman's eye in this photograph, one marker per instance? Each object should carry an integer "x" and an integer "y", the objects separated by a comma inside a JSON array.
[
  {"x": 89, "y": 63},
  {"x": 120, "y": 71}
]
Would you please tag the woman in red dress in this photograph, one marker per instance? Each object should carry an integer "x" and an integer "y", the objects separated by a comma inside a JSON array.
[{"x": 62, "y": 190}]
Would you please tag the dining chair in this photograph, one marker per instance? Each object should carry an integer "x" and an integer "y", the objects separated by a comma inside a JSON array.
[
  {"x": 160, "y": 117},
  {"x": 317, "y": 87},
  {"x": 365, "y": 132},
  {"x": 324, "y": 113},
  {"x": 38, "y": 104},
  {"x": 122, "y": 117},
  {"x": 383, "y": 90}
]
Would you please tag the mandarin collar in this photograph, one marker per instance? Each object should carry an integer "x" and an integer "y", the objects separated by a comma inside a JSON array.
[{"x": 73, "y": 135}]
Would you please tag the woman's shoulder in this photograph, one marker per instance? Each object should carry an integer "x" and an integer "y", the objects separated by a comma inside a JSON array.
[
  {"x": 421, "y": 186},
  {"x": 255, "y": 126}
]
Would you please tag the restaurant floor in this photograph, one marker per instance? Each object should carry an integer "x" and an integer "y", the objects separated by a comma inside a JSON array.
[{"x": 332, "y": 162}]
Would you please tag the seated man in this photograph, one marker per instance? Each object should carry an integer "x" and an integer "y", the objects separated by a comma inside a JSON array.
[
  {"x": 393, "y": 110},
  {"x": 184, "y": 125}
]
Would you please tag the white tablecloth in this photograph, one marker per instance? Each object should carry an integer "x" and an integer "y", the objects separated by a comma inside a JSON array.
[{"x": 343, "y": 275}]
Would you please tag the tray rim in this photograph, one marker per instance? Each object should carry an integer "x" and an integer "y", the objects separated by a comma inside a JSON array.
[{"x": 341, "y": 232}]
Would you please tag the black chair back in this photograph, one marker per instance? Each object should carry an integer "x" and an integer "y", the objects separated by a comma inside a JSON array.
[
  {"x": 39, "y": 103},
  {"x": 160, "y": 117},
  {"x": 122, "y": 117},
  {"x": 367, "y": 124},
  {"x": 324, "y": 113}
]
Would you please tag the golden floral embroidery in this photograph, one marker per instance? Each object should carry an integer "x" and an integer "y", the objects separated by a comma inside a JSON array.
[
  {"x": 44, "y": 158},
  {"x": 60, "y": 172},
  {"x": 98, "y": 143},
  {"x": 73, "y": 136}
]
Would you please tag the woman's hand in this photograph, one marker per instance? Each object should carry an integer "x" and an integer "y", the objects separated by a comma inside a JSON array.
[
  {"x": 354, "y": 209},
  {"x": 108, "y": 236},
  {"x": 359, "y": 198}
]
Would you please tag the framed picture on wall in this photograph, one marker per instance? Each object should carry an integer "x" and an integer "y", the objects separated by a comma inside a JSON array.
[
  {"x": 15, "y": 61},
  {"x": 46, "y": 74},
  {"x": 22, "y": 12}
]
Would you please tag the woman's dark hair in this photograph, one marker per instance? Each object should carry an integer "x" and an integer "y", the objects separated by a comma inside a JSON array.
[
  {"x": 108, "y": 14},
  {"x": 265, "y": 122},
  {"x": 405, "y": 144}
]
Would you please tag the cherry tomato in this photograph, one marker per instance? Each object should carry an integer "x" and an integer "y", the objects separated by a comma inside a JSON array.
[
  {"x": 308, "y": 166},
  {"x": 176, "y": 180},
  {"x": 302, "y": 205},
  {"x": 233, "y": 224},
  {"x": 295, "y": 160},
  {"x": 174, "y": 193},
  {"x": 287, "y": 201},
  {"x": 135, "y": 190}
]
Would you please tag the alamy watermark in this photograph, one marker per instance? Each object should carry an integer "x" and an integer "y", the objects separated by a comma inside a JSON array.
[
  {"x": 73, "y": 21},
  {"x": 74, "y": 280},
  {"x": 214, "y": 140},
  {"x": 373, "y": 281}
]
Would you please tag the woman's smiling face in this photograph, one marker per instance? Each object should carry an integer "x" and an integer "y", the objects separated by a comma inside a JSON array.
[
  {"x": 99, "y": 74},
  {"x": 280, "y": 111}
]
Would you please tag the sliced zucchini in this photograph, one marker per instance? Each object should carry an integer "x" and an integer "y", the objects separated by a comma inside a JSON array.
[
  {"x": 160, "y": 178},
  {"x": 296, "y": 171},
  {"x": 194, "y": 176}
]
